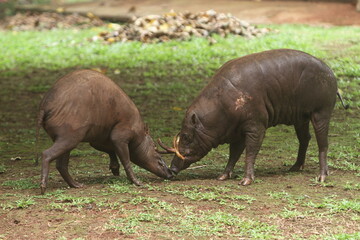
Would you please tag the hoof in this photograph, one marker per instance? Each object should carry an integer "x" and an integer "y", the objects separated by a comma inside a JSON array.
[
  {"x": 115, "y": 171},
  {"x": 76, "y": 185},
  {"x": 296, "y": 168},
  {"x": 137, "y": 183},
  {"x": 245, "y": 181},
  {"x": 224, "y": 176},
  {"x": 321, "y": 178},
  {"x": 43, "y": 189}
]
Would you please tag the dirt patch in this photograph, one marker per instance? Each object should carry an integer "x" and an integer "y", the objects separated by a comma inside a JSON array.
[
  {"x": 48, "y": 21},
  {"x": 323, "y": 13}
]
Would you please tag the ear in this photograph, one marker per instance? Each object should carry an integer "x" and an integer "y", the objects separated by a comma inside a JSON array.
[{"x": 195, "y": 120}]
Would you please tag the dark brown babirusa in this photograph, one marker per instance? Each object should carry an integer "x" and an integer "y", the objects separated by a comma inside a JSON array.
[
  {"x": 250, "y": 94},
  {"x": 87, "y": 106}
]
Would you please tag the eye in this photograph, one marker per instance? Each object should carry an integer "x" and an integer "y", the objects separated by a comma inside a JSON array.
[
  {"x": 161, "y": 163},
  {"x": 186, "y": 137}
]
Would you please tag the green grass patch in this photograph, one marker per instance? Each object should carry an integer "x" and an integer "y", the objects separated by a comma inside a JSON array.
[
  {"x": 2, "y": 168},
  {"x": 352, "y": 186},
  {"x": 124, "y": 188},
  {"x": 292, "y": 214},
  {"x": 200, "y": 193},
  {"x": 345, "y": 236},
  {"x": 337, "y": 205},
  {"x": 21, "y": 184},
  {"x": 193, "y": 224},
  {"x": 66, "y": 203},
  {"x": 25, "y": 203},
  {"x": 20, "y": 203}
]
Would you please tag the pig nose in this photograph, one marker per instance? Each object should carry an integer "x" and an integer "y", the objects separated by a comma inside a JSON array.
[
  {"x": 169, "y": 174},
  {"x": 174, "y": 170}
]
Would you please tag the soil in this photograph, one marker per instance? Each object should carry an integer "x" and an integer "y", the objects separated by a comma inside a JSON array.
[
  {"x": 308, "y": 12},
  {"x": 96, "y": 211}
]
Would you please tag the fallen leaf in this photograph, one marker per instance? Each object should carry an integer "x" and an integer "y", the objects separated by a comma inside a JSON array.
[
  {"x": 100, "y": 70},
  {"x": 177, "y": 108}
]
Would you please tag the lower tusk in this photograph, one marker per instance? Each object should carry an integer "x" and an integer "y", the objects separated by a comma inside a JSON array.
[
  {"x": 179, "y": 155},
  {"x": 167, "y": 149}
]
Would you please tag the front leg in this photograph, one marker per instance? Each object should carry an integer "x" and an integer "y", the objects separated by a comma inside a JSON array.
[
  {"x": 236, "y": 149},
  {"x": 253, "y": 141},
  {"x": 120, "y": 140}
]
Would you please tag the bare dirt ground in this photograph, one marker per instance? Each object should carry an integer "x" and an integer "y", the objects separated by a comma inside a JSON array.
[{"x": 315, "y": 13}]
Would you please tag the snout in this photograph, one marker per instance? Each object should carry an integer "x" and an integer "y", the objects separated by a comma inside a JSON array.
[
  {"x": 174, "y": 170},
  {"x": 164, "y": 170},
  {"x": 176, "y": 165},
  {"x": 169, "y": 173}
]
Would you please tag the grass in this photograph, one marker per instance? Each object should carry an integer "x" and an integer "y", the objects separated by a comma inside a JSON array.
[
  {"x": 197, "y": 223},
  {"x": 20, "y": 184},
  {"x": 21, "y": 203},
  {"x": 336, "y": 205},
  {"x": 344, "y": 236},
  {"x": 162, "y": 79},
  {"x": 352, "y": 186},
  {"x": 2, "y": 169}
]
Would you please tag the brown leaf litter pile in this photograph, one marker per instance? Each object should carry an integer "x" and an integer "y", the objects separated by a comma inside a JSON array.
[
  {"x": 181, "y": 26},
  {"x": 147, "y": 29}
]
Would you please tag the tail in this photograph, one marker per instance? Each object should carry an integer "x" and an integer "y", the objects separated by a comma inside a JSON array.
[
  {"x": 341, "y": 99},
  {"x": 38, "y": 126}
]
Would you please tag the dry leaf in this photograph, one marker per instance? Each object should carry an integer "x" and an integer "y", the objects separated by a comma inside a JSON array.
[
  {"x": 177, "y": 108},
  {"x": 172, "y": 25}
]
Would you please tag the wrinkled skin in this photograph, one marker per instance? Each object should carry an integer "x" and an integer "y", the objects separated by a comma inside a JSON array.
[
  {"x": 250, "y": 94},
  {"x": 86, "y": 106}
]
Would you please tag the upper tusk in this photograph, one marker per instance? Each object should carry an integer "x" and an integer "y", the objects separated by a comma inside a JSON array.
[{"x": 176, "y": 146}]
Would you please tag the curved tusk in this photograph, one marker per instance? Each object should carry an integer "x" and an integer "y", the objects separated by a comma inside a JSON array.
[
  {"x": 166, "y": 148},
  {"x": 163, "y": 152},
  {"x": 176, "y": 146},
  {"x": 174, "y": 149}
]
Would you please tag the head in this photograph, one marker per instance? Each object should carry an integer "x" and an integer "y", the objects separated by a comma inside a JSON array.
[
  {"x": 146, "y": 156},
  {"x": 190, "y": 145}
]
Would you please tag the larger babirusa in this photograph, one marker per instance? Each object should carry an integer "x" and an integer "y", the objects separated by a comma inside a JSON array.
[{"x": 250, "y": 94}]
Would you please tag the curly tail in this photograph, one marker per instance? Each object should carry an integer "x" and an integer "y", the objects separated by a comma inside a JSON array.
[
  {"x": 341, "y": 99},
  {"x": 39, "y": 123}
]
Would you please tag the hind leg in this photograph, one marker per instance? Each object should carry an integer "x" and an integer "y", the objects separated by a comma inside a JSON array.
[
  {"x": 303, "y": 135},
  {"x": 62, "y": 164},
  {"x": 59, "y": 148},
  {"x": 114, "y": 164},
  {"x": 321, "y": 127}
]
